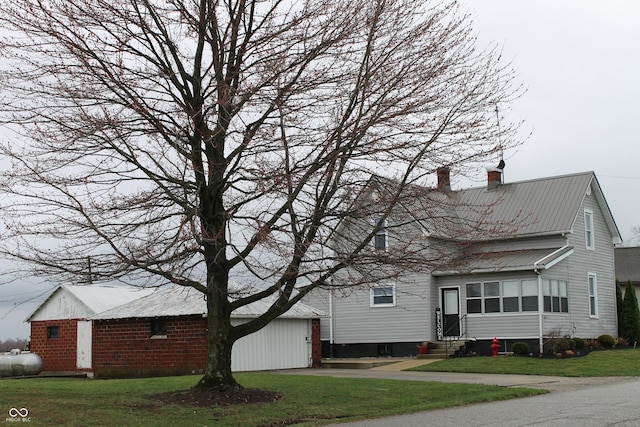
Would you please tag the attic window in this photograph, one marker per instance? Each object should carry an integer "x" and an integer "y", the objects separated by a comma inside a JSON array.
[
  {"x": 380, "y": 239},
  {"x": 588, "y": 229},
  {"x": 159, "y": 328}
]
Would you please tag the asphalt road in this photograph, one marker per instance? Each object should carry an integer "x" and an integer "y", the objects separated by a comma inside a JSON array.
[
  {"x": 615, "y": 404},
  {"x": 583, "y": 402}
]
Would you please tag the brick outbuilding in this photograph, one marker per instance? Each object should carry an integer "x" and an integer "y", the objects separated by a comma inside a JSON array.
[{"x": 160, "y": 333}]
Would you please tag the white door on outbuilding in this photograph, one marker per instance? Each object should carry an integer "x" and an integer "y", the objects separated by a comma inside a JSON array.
[
  {"x": 83, "y": 359},
  {"x": 282, "y": 344}
]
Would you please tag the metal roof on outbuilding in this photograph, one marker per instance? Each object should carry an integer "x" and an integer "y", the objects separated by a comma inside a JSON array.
[
  {"x": 175, "y": 300},
  {"x": 74, "y": 301}
]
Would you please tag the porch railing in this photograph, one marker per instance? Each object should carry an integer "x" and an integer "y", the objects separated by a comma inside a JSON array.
[{"x": 452, "y": 341}]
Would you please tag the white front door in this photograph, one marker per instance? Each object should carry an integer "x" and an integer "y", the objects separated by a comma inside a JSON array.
[{"x": 451, "y": 312}]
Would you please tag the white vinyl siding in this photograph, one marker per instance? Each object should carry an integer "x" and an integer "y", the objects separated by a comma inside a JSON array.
[
  {"x": 575, "y": 271},
  {"x": 410, "y": 319}
]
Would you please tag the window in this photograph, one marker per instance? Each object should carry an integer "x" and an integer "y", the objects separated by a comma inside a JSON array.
[
  {"x": 492, "y": 297},
  {"x": 593, "y": 295},
  {"x": 474, "y": 297},
  {"x": 588, "y": 229},
  {"x": 383, "y": 296},
  {"x": 53, "y": 332},
  {"x": 159, "y": 328},
  {"x": 508, "y": 296},
  {"x": 380, "y": 239},
  {"x": 529, "y": 295},
  {"x": 555, "y": 296}
]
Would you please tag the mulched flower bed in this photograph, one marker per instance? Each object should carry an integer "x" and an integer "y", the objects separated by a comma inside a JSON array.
[{"x": 208, "y": 398}]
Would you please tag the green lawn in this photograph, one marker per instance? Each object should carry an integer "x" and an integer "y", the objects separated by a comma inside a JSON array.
[
  {"x": 306, "y": 400},
  {"x": 595, "y": 364}
]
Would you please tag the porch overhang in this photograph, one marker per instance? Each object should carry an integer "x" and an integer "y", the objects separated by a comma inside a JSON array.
[{"x": 507, "y": 261}]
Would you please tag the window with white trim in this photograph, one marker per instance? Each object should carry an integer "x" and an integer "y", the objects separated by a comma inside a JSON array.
[
  {"x": 507, "y": 296},
  {"x": 380, "y": 240},
  {"x": 383, "y": 296},
  {"x": 593, "y": 295},
  {"x": 556, "y": 299},
  {"x": 588, "y": 229}
]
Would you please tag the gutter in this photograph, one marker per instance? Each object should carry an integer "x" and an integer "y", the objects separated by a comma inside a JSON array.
[
  {"x": 553, "y": 258},
  {"x": 543, "y": 264}
]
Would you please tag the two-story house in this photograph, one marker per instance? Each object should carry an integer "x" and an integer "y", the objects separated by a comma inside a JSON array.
[{"x": 543, "y": 265}]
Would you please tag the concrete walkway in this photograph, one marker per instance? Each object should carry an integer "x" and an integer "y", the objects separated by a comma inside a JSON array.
[
  {"x": 401, "y": 365},
  {"x": 394, "y": 370},
  {"x": 381, "y": 364}
]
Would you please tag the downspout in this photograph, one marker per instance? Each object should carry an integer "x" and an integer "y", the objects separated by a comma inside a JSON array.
[
  {"x": 556, "y": 256},
  {"x": 331, "y": 319},
  {"x": 540, "y": 310}
]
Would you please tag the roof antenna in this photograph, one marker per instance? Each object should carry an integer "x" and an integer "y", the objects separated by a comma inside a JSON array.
[{"x": 501, "y": 164}]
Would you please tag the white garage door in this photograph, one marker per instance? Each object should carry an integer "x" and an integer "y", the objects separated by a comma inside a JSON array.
[{"x": 282, "y": 344}]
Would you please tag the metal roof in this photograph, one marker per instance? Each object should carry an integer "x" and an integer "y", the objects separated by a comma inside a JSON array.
[
  {"x": 94, "y": 298},
  {"x": 175, "y": 300},
  {"x": 537, "y": 207},
  {"x": 519, "y": 260},
  {"x": 542, "y": 206}
]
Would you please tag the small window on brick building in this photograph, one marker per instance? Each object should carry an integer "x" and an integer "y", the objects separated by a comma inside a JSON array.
[
  {"x": 159, "y": 328},
  {"x": 53, "y": 332}
]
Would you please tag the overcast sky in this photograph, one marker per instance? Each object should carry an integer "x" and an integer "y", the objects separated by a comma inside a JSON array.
[{"x": 580, "y": 63}]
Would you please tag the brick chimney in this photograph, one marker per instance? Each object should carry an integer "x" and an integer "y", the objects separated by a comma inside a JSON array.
[
  {"x": 444, "y": 178},
  {"x": 494, "y": 178}
]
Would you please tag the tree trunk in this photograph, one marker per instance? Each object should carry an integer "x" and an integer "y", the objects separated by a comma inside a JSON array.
[{"x": 217, "y": 373}]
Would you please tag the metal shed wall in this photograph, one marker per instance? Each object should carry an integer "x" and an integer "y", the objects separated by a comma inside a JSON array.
[{"x": 282, "y": 344}]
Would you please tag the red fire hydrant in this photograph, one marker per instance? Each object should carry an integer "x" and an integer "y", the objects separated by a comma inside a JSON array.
[{"x": 495, "y": 346}]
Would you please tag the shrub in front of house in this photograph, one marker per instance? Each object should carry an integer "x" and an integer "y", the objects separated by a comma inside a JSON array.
[
  {"x": 593, "y": 343},
  {"x": 606, "y": 341},
  {"x": 520, "y": 348},
  {"x": 562, "y": 344},
  {"x": 622, "y": 342},
  {"x": 580, "y": 343}
]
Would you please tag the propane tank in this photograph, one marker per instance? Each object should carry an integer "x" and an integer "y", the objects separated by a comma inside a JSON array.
[{"x": 17, "y": 363}]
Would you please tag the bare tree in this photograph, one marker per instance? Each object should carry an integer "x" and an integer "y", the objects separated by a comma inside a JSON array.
[
  {"x": 10, "y": 344},
  {"x": 190, "y": 142}
]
